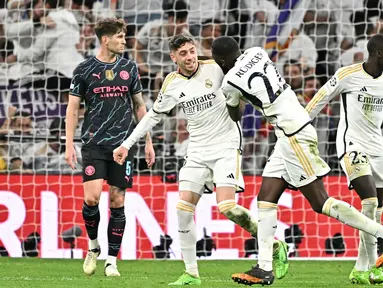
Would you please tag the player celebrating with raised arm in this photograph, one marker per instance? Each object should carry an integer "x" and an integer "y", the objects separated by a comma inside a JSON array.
[
  {"x": 108, "y": 84},
  {"x": 360, "y": 143},
  {"x": 214, "y": 150},
  {"x": 295, "y": 162}
]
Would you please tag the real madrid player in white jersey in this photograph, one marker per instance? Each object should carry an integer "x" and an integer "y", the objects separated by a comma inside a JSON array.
[
  {"x": 360, "y": 143},
  {"x": 213, "y": 154},
  {"x": 295, "y": 162}
]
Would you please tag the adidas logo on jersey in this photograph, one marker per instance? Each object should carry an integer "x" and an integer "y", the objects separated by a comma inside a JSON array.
[
  {"x": 182, "y": 95},
  {"x": 231, "y": 176},
  {"x": 364, "y": 89},
  {"x": 302, "y": 178}
]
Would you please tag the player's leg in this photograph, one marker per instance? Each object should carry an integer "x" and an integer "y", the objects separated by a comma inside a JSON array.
[
  {"x": 192, "y": 178},
  {"x": 304, "y": 166},
  {"x": 377, "y": 173},
  {"x": 367, "y": 256},
  {"x": 94, "y": 172},
  {"x": 272, "y": 188},
  {"x": 376, "y": 164},
  {"x": 229, "y": 180},
  {"x": 356, "y": 166},
  {"x": 379, "y": 210},
  {"x": 190, "y": 193},
  {"x": 316, "y": 194},
  {"x": 119, "y": 177},
  {"x": 320, "y": 202},
  {"x": 227, "y": 175}
]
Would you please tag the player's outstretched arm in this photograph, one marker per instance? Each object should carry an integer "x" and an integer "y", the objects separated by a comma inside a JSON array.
[
  {"x": 146, "y": 124},
  {"x": 70, "y": 128}
]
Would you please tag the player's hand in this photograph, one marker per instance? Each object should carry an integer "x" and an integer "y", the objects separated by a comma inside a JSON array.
[
  {"x": 70, "y": 156},
  {"x": 150, "y": 156},
  {"x": 120, "y": 154}
]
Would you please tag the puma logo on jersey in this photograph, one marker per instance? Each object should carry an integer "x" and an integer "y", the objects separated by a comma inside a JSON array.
[{"x": 97, "y": 75}]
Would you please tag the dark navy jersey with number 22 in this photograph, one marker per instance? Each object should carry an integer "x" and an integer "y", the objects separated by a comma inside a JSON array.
[{"x": 107, "y": 89}]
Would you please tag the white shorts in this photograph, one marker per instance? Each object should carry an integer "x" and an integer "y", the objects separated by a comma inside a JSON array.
[
  {"x": 203, "y": 170},
  {"x": 356, "y": 164},
  {"x": 296, "y": 159}
]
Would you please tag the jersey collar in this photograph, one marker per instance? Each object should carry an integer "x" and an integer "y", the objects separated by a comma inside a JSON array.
[{"x": 191, "y": 76}]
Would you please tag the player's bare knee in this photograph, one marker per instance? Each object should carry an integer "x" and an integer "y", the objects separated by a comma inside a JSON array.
[
  {"x": 189, "y": 197},
  {"x": 225, "y": 193},
  {"x": 92, "y": 199},
  {"x": 116, "y": 197}
]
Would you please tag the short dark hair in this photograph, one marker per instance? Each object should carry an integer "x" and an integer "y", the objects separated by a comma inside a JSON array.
[
  {"x": 177, "y": 41},
  {"x": 178, "y": 9},
  {"x": 225, "y": 46},
  {"x": 375, "y": 43},
  {"x": 109, "y": 27}
]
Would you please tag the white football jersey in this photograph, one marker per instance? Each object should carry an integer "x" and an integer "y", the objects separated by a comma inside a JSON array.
[
  {"x": 203, "y": 103},
  {"x": 256, "y": 80},
  {"x": 361, "y": 115}
]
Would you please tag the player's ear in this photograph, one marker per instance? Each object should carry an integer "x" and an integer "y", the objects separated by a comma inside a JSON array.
[
  {"x": 173, "y": 57},
  {"x": 105, "y": 39},
  {"x": 379, "y": 53}
]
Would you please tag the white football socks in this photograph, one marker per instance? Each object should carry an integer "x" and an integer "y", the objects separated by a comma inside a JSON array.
[
  {"x": 267, "y": 226},
  {"x": 367, "y": 244},
  {"x": 187, "y": 236}
]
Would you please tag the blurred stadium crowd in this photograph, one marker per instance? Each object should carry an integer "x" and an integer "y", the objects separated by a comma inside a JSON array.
[{"x": 42, "y": 41}]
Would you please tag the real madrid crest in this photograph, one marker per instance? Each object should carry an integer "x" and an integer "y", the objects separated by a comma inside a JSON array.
[
  {"x": 109, "y": 75},
  {"x": 208, "y": 83}
]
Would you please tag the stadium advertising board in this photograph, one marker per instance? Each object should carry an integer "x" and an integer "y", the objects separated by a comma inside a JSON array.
[{"x": 50, "y": 205}]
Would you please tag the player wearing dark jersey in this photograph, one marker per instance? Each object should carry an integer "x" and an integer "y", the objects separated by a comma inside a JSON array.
[{"x": 111, "y": 89}]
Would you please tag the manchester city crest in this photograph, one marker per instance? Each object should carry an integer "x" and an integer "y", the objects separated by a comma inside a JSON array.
[
  {"x": 109, "y": 75},
  {"x": 208, "y": 83}
]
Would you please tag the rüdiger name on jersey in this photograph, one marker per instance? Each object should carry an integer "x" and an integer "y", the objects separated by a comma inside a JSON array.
[{"x": 256, "y": 80}]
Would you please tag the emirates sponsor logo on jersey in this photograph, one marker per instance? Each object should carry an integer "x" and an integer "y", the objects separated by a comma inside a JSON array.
[
  {"x": 111, "y": 91},
  {"x": 198, "y": 104},
  {"x": 253, "y": 61},
  {"x": 370, "y": 103}
]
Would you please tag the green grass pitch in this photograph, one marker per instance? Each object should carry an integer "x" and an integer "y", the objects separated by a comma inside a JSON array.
[{"x": 50, "y": 273}]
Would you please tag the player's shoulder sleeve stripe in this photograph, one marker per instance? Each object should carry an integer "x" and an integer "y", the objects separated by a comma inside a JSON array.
[
  {"x": 167, "y": 81},
  {"x": 347, "y": 71},
  {"x": 210, "y": 61}
]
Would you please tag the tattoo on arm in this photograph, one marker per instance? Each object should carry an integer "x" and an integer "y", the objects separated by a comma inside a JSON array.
[{"x": 138, "y": 101}]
